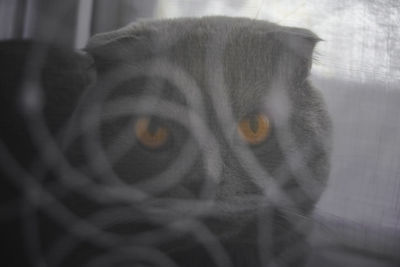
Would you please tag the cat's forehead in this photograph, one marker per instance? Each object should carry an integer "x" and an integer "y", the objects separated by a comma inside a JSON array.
[
  {"x": 233, "y": 57},
  {"x": 168, "y": 31},
  {"x": 228, "y": 58}
]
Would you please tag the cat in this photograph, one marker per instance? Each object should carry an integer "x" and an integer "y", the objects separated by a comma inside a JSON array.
[{"x": 198, "y": 142}]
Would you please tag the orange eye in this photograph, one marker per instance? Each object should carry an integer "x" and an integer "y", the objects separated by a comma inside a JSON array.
[
  {"x": 255, "y": 129},
  {"x": 151, "y": 138}
]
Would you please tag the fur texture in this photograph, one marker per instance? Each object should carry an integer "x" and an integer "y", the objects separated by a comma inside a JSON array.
[{"x": 223, "y": 69}]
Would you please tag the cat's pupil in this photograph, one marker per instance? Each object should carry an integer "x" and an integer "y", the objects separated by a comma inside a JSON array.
[
  {"x": 253, "y": 123},
  {"x": 153, "y": 126}
]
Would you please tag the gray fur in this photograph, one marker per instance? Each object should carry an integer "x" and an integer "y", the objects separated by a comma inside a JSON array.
[{"x": 237, "y": 66}]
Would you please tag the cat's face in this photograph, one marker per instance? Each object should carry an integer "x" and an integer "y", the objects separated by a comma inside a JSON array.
[{"x": 207, "y": 119}]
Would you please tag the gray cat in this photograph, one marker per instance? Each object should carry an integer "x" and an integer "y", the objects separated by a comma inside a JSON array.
[{"x": 200, "y": 143}]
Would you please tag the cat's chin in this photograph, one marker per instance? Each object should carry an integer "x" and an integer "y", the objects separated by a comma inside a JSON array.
[
  {"x": 228, "y": 232},
  {"x": 233, "y": 227},
  {"x": 238, "y": 241},
  {"x": 196, "y": 255}
]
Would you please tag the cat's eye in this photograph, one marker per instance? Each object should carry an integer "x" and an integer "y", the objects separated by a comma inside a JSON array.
[
  {"x": 151, "y": 136},
  {"x": 254, "y": 129}
]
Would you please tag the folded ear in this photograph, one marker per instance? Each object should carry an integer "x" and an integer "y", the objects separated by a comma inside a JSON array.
[
  {"x": 131, "y": 44},
  {"x": 297, "y": 45},
  {"x": 299, "y": 40},
  {"x": 66, "y": 69}
]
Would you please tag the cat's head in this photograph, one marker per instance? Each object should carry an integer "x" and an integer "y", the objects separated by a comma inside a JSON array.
[{"x": 209, "y": 118}]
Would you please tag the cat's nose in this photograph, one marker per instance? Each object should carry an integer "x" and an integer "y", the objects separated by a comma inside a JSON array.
[{"x": 235, "y": 182}]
